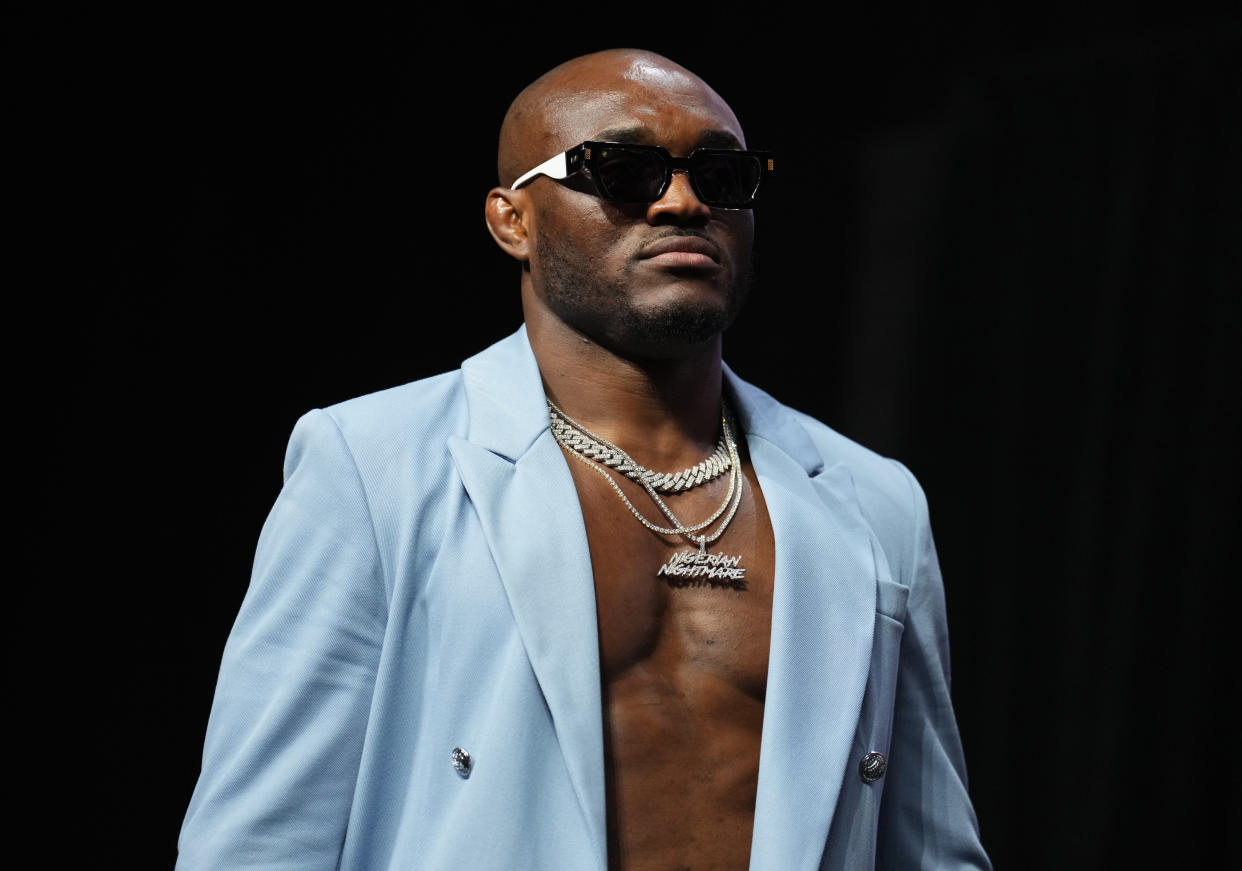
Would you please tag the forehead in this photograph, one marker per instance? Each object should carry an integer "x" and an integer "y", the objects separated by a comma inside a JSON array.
[{"x": 641, "y": 101}]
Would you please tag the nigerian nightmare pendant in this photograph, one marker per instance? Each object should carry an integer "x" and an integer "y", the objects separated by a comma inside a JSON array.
[{"x": 698, "y": 568}]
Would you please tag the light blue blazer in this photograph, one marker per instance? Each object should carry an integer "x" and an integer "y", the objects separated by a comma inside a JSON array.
[{"x": 423, "y": 583}]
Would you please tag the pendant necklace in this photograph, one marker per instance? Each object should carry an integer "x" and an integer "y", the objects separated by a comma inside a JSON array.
[{"x": 689, "y": 567}]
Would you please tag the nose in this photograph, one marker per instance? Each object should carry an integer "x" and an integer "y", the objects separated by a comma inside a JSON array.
[{"x": 679, "y": 204}]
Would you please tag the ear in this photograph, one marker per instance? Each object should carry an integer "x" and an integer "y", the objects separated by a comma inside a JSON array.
[{"x": 508, "y": 219}]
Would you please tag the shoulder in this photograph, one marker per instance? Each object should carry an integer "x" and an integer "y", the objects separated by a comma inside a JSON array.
[
  {"x": 391, "y": 443},
  {"x": 889, "y": 497},
  {"x": 887, "y": 494},
  {"x": 884, "y": 485},
  {"x": 419, "y": 418},
  {"x": 419, "y": 413}
]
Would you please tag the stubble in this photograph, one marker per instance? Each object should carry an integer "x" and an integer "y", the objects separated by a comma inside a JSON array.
[{"x": 609, "y": 312}]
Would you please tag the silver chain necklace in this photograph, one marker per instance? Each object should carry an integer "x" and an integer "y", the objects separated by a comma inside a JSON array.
[
  {"x": 582, "y": 441},
  {"x": 685, "y": 568}
]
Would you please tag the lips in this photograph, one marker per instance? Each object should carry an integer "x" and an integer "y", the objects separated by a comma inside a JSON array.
[{"x": 681, "y": 251}]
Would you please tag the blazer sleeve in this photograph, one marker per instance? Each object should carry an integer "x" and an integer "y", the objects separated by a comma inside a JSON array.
[
  {"x": 285, "y": 736},
  {"x": 926, "y": 818}
]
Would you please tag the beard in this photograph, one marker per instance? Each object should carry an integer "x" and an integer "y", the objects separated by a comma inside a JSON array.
[{"x": 606, "y": 310}]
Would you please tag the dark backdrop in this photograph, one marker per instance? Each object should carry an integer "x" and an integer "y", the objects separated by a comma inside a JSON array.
[{"x": 1003, "y": 249}]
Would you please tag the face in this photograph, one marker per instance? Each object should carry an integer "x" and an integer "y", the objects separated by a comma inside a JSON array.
[{"x": 645, "y": 280}]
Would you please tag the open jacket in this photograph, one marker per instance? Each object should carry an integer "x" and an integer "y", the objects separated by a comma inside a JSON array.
[{"x": 423, "y": 583}]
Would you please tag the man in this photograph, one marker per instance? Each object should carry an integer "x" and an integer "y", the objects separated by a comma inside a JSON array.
[{"x": 475, "y": 640}]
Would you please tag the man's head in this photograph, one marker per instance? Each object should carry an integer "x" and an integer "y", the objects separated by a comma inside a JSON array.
[{"x": 646, "y": 280}]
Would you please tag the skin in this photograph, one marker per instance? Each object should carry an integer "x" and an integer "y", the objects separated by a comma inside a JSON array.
[{"x": 628, "y": 340}]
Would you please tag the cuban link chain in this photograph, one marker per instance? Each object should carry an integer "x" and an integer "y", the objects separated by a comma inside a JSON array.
[{"x": 581, "y": 440}]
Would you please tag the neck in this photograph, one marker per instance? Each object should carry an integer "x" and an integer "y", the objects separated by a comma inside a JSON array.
[{"x": 665, "y": 413}]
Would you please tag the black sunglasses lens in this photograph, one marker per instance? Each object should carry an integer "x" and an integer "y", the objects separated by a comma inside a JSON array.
[
  {"x": 726, "y": 179},
  {"x": 629, "y": 175}
]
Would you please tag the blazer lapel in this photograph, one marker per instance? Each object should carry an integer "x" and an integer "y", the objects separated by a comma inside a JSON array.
[
  {"x": 822, "y": 611},
  {"x": 823, "y": 617},
  {"x": 524, "y": 495}
]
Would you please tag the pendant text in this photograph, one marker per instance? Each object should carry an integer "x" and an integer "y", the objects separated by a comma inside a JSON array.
[{"x": 691, "y": 568}]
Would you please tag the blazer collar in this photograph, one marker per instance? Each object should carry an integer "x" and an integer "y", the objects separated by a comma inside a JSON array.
[
  {"x": 760, "y": 416},
  {"x": 508, "y": 410}
]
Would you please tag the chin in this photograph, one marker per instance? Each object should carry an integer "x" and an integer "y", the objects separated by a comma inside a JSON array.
[{"x": 668, "y": 331}]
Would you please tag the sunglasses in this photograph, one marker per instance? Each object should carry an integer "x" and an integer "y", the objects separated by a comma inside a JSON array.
[{"x": 724, "y": 178}]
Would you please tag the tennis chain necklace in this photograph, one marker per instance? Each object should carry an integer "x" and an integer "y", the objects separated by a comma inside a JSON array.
[{"x": 688, "y": 567}]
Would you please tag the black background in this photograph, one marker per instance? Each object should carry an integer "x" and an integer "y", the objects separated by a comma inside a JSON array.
[{"x": 1004, "y": 248}]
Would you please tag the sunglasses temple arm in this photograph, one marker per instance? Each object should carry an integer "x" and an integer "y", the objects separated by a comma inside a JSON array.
[{"x": 556, "y": 167}]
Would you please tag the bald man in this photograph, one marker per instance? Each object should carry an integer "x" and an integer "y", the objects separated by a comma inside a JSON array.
[{"x": 592, "y": 601}]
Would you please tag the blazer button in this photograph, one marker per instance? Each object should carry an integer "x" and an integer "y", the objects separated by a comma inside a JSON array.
[
  {"x": 462, "y": 762},
  {"x": 872, "y": 767}
]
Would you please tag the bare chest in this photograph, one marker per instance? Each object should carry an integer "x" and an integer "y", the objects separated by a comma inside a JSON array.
[
  {"x": 684, "y": 661},
  {"x": 656, "y": 599}
]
